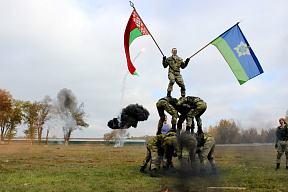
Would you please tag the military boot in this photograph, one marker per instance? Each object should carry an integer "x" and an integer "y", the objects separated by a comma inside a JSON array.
[
  {"x": 142, "y": 169},
  {"x": 277, "y": 166},
  {"x": 153, "y": 173},
  {"x": 286, "y": 167}
]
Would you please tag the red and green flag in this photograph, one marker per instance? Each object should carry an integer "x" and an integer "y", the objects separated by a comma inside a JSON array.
[{"x": 135, "y": 28}]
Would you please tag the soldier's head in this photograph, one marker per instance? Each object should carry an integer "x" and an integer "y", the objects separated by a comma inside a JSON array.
[
  {"x": 282, "y": 121},
  {"x": 174, "y": 51}
]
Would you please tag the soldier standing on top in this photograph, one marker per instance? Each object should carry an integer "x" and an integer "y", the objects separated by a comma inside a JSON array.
[{"x": 174, "y": 62}]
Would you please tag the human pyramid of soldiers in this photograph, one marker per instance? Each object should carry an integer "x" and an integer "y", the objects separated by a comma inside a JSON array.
[{"x": 177, "y": 143}]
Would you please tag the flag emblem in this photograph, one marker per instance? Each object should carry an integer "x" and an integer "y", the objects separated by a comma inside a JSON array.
[{"x": 242, "y": 49}]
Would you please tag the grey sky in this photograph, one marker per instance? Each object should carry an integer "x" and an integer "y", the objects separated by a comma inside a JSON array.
[{"x": 46, "y": 46}]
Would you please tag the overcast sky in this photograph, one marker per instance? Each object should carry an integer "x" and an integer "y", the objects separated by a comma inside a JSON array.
[{"x": 49, "y": 45}]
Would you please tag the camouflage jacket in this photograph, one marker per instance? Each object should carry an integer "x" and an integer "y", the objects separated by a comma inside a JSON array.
[
  {"x": 202, "y": 138},
  {"x": 174, "y": 65},
  {"x": 170, "y": 140},
  {"x": 158, "y": 141},
  {"x": 189, "y": 101},
  {"x": 282, "y": 133}
]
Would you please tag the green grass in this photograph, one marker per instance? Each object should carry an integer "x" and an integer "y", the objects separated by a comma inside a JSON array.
[{"x": 105, "y": 168}]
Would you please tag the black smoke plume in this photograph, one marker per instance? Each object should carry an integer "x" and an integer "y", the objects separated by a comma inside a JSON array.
[{"x": 129, "y": 117}]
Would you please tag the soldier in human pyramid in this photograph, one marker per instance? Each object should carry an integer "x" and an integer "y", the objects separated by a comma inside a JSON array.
[{"x": 175, "y": 63}]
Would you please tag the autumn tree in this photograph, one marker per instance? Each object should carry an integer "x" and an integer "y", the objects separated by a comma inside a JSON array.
[
  {"x": 108, "y": 137},
  {"x": 6, "y": 104},
  {"x": 213, "y": 131},
  {"x": 271, "y": 135},
  {"x": 31, "y": 111},
  {"x": 263, "y": 136},
  {"x": 42, "y": 115},
  {"x": 250, "y": 136},
  {"x": 15, "y": 119},
  {"x": 227, "y": 132}
]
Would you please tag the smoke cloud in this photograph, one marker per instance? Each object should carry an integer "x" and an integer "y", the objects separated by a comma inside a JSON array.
[{"x": 130, "y": 116}]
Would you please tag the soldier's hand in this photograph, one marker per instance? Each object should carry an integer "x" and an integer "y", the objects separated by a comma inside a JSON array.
[
  {"x": 276, "y": 145},
  {"x": 164, "y": 58},
  {"x": 187, "y": 61}
]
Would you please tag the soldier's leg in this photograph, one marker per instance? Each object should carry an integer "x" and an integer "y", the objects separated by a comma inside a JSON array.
[
  {"x": 210, "y": 155},
  {"x": 203, "y": 155},
  {"x": 198, "y": 111},
  {"x": 286, "y": 153},
  {"x": 189, "y": 120},
  {"x": 280, "y": 152},
  {"x": 154, "y": 161},
  {"x": 180, "y": 122},
  {"x": 146, "y": 160},
  {"x": 172, "y": 111},
  {"x": 180, "y": 83},
  {"x": 161, "y": 120},
  {"x": 193, "y": 148},
  {"x": 171, "y": 78}
]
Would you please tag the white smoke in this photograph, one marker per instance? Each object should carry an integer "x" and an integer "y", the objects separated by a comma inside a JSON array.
[{"x": 125, "y": 78}]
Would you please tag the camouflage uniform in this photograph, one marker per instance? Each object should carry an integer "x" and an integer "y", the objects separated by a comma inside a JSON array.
[
  {"x": 164, "y": 105},
  {"x": 187, "y": 148},
  {"x": 154, "y": 146},
  {"x": 197, "y": 108},
  {"x": 174, "y": 72},
  {"x": 170, "y": 148},
  {"x": 282, "y": 144},
  {"x": 205, "y": 150}
]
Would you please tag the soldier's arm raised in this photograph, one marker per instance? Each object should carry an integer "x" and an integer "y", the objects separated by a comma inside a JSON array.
[{"x": 185, "y": 63}]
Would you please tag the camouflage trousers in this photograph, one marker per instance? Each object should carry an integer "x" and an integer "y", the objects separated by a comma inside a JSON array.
[
  {"x": 207, "y": 151},
  {"x": 196, "y": 112},
  {"x": 179, "y": 80},
  {"x": 152, "y": 154},
  {"x": 163, "y": 105},
  {"x": 282, "y": 148}
]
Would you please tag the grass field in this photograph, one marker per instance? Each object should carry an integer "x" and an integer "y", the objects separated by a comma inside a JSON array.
[{"x": 104, "y": 168}]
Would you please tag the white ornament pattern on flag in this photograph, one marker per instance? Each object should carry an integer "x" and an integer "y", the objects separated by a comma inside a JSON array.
[{"x": 139, "y": 24}]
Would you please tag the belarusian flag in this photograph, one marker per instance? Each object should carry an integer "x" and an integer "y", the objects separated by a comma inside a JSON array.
[{"x": 135, "y": 28}]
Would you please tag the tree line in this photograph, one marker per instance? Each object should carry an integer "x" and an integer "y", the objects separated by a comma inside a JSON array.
[
  {"x": 229, "y": 132},
  {"x": 64, "y": 110}
]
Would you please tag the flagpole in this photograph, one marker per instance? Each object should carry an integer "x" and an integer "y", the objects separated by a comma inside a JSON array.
[
  {"x": 199, "y": 50},
  {"x": 213, "y": 40},
  {"x": 132, "y": 5}
]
